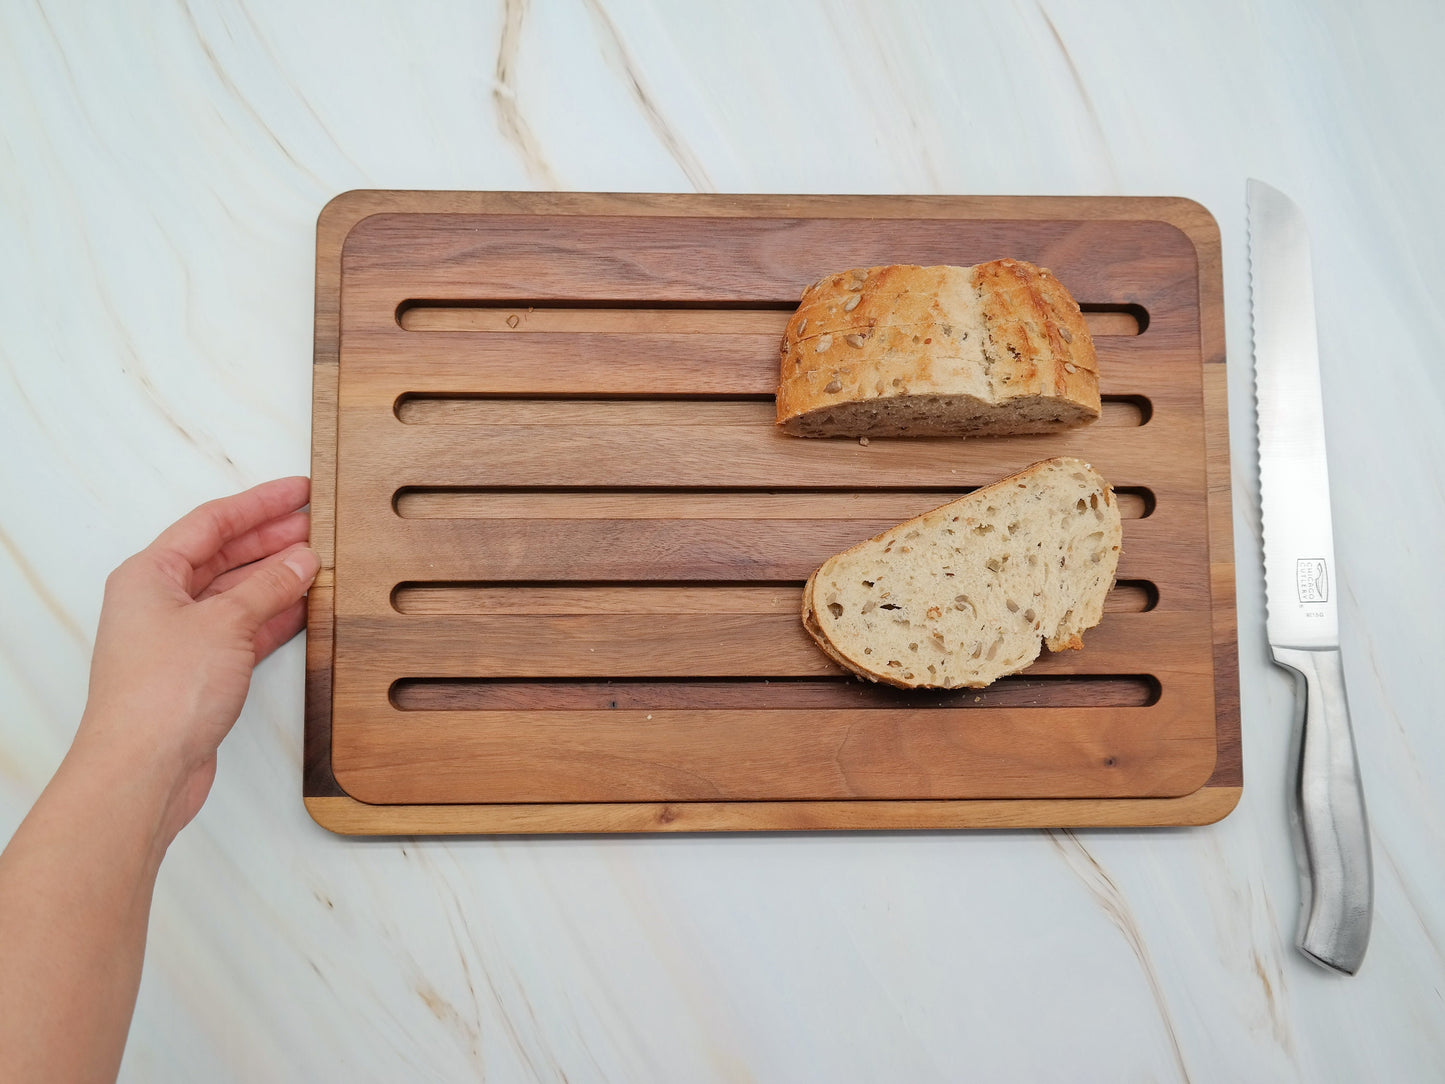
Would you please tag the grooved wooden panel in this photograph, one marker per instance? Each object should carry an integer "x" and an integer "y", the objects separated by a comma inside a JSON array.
[{"x": 545, "y": 470}]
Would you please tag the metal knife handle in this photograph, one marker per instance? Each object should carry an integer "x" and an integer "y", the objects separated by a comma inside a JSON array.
[{"x": 1327, "y": 813}]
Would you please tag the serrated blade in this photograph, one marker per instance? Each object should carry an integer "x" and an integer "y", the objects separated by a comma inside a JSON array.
[{"x": 1294, "y": 486}]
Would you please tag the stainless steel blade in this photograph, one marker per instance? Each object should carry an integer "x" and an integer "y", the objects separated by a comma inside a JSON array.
[
  {"x": 1327, "y": 810},
  {"x": 1299, "y": 553}
]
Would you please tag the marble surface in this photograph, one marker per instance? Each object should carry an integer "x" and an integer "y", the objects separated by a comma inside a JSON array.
[{"x": 161, "y": 167}]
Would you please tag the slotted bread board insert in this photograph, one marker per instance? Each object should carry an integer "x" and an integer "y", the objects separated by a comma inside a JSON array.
[{"x": 564, "y": 544}]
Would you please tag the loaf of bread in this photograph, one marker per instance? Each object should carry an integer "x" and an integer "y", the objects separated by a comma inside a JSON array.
[
  {"x": 902, "y": 350},
  {"x": 964, "y": 594}
]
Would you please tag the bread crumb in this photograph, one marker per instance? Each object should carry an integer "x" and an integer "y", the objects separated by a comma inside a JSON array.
[{"x": 863, "y": 441}]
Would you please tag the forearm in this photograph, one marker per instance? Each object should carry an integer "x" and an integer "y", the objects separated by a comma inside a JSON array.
[
  {"x": 75, "y": 894},
  {"x": 182, "y": 627}
]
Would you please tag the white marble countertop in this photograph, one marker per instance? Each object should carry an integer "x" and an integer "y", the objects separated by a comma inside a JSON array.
[{"x": 161, "y": 168}]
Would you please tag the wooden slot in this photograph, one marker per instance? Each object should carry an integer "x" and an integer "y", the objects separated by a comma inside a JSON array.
[
  {"x": 523, "y": 317},
  {"x": 457, "y": 502},
  {"x": 1114, "y": 320},
  {"x": 603, "y": 317},
  {"x": 563, "y": 542},
  {"x": 1118, "y": 411},
  {"x": 641, "y": 694},
  {"x": 1127, "y": 596}
]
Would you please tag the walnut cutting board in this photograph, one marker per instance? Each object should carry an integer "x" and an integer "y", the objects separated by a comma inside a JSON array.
[{"x": 563, "y": 545}]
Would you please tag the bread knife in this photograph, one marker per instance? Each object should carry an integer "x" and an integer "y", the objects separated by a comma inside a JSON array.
[{"x": 1327, "y": 803}]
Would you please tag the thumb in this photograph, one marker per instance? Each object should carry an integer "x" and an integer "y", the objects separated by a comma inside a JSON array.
[{"x": 275, "y": 585}]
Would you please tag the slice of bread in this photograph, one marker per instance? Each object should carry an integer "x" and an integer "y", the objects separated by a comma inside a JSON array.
[
  {"x": 903, "y": 350},
  {"x": 962, "y": 595}
]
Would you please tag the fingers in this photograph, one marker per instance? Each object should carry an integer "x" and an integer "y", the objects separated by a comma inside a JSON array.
[
  {"x": 273, "y": 633},
  {"x": 271, "y": 587},
  {"x": 198, "y": 536},
  {"x": 256, "y": 544},
  {"x": 224, "y": 582},
  {"x": 280, "y": 628}
]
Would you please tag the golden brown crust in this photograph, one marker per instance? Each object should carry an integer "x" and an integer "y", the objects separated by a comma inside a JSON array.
[
  {"x": 1031, "y": 315},
  {"x": 1000, "y": 333}
]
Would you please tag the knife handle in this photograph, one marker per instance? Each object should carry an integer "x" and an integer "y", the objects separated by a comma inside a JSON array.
[{"x": 1327, "y": 814}]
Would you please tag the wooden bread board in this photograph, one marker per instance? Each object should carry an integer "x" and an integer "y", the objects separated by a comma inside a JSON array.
[{"x": 563, "y": 544}]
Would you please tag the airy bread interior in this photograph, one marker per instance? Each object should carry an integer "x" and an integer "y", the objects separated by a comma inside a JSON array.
[{"x": 966, "y": 593}]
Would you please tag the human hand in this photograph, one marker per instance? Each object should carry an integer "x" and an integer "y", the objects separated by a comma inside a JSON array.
[{"x": 183, "y": 624}]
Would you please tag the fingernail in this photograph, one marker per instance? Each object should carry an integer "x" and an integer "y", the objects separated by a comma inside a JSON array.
[{"x": 304, "y": 562}]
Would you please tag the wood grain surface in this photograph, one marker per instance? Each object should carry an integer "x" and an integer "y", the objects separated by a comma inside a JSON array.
[{"x": 563, "y": 547}]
